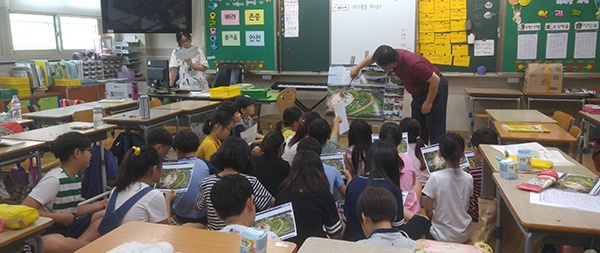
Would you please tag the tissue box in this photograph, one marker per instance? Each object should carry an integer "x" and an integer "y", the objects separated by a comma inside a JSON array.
[
  {"x": 253, "y": 240},
  {"x": 508, "y": 169}
]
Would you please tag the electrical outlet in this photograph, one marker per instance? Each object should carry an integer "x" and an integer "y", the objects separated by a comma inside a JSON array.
[{"x": 267, "y": 77}]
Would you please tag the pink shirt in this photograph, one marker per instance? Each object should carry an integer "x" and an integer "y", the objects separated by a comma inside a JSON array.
[
  {"x": 348, "y": 158},
  {"x": 422, "y": 175},
  {"x": 407, "y": 182}
]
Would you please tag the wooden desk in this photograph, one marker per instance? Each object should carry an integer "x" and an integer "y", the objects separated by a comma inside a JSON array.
[
  {"x": 548, "y": 224},
  {"x": 10, "y": 239},
  {"x": 489, "y": 94},
  {"x": 555, "y": 97},
  {"x": 588, "y": 121},
  {"x": 183, "y": 239},
  {"x": 131, "y": 121},
  {"x": 56, "y": 116},
  {"x": 317, "y": 245},
  {"x": 556, "y": 134},
  {"x": 20, "y": 152},
  {"x": 517, "y": 116},
  {"x": 191, "y": 108},
  {"x": 112, "y": 108}
]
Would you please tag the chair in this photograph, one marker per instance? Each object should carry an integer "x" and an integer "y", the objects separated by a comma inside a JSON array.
[
  {"x": 285, "y": 99},
  {"x": 85, "y": 115},
  {"x": 565, "y": 121},
  {"x": 576, "y": 149},
  {"x": 228, "y": 75},
  {"x": 171, "y": 129},
  {"x": 155, "y": 103}
]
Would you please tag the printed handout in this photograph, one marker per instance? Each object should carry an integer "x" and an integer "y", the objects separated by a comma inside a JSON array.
[
  {"x": 279, "y": 220},
  {"x": 175, "y": 176}
]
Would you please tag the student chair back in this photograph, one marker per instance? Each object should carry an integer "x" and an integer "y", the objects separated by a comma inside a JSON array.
[
  {"x": 576, "y": 148},
  {"x": 84, "y": 116},
  {"x": 285, "y": 99},
  {"x": 155, "y": 103},
  {"x": 564, "y": 120},
  {"x": 228, "y": 75}
]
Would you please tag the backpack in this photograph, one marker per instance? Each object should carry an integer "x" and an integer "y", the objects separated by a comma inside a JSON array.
[
  {"x": 112, "y": 218},
  {"x": 91, "y": 183},
  {"x": 124, "y": 142},
  {"x": 211, "y": 168}
]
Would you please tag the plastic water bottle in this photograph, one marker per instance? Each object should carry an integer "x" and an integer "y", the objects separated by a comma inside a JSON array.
[
  {"x": 97, "y": 112},
  {"x": 15, "y": 108},
  {"x": 524, "y": 159}
]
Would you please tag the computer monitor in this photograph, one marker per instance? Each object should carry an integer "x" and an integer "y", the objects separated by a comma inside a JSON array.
[
  {"x": 158, "y": 75},
  {"x": 228, "y": 75}
]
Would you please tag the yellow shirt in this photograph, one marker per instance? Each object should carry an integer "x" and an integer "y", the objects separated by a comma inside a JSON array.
[
  {"x": 287, "y": 132},
  {"x": 208, "y": 147}
]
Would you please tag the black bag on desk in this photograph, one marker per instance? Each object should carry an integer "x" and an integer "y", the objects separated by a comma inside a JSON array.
[{"x": 124, "y": 142}]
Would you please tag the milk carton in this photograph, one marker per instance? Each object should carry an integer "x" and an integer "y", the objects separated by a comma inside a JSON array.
[
  {"x": 508, "y": 169},
  {"x": 253, "y": 241}
]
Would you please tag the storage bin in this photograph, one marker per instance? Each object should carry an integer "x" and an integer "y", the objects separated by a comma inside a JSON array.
[
  {"x": 21, "y": 84},
  {"x": 67, "y": 82},
  {"x": 258, "y": 93},
  {"x": 225, "y": 92}
]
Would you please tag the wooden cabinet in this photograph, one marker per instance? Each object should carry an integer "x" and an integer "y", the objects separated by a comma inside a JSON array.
[{"x": 87, "y": 93}]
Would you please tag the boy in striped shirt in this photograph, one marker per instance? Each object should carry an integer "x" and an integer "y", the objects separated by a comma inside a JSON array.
[
  {"x": 57, "y": 194},
  {"x": 481, "y": 136}
]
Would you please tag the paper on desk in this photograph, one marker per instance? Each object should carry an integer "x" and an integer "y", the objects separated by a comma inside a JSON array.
[
  {"x": 6, "y": 143},
  {"x": 200, "y": 94},
  {"x": 340, "y": 110},
  {"x": 558, "y": 198},
  {"x": 185, "y": 53},
  {"x": 555, "y": 157},
  {"x": 250, "y": 134},
  {"x": 514, "y": 148},
  {"x": 138, "y": 247}
]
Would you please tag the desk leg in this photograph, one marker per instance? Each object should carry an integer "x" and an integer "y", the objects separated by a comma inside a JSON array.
[
  {"x": 145, "y": 129},
  {"x": 38, "y": 164},
  {"x": 103, "y": 167},
  {"x": 39, "y": 243},
  {"x": 498, "y": 228},
  {"x": 471, "y": 116}
]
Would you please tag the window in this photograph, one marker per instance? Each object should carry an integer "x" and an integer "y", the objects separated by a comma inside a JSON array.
[
  {"x": 78, "y": 33},
  {"x": 32, "y": 32},
  {"x": 37, "y": 32}
]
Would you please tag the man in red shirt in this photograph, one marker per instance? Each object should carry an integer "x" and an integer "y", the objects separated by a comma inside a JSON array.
[{"x": 422, "y": 80}]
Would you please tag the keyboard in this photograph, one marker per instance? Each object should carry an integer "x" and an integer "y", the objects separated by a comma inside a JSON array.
[{"x": 299, "y": 86}]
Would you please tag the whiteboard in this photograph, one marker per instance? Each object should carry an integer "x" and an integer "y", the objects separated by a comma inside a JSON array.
[{"x": 363, "y": 25}]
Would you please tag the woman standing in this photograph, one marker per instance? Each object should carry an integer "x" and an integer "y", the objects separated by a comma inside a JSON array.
[{"x": 191, "y": 68}]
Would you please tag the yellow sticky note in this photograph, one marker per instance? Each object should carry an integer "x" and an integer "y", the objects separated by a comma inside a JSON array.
[
  {"x": 445, "y": 60},
  {"x": 426, "y": 6},
  {"x": 443, "y": 49},
  {"x": 458, "y": 37},
  {"x": 460, "y": 50},
  {"x": 255, "y": 17},
  {"x": 441, "y": 15},
  {"x": 462, "y": 60},
  {"x": 426, "y": 38},
  {"x": 442, "y": 39},
  {"x": 441, "y": 26},
  {"x": 442, "y": 5},
  {"x": 458, "y": 4},
  {"x": 458, "y": 14},
  {"x": 426, "y": 27},
  {"x": 426, "y": 48},
  {"x": 457, "y": 25}
]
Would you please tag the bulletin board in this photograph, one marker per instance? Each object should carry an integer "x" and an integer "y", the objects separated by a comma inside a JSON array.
[
  {"x": 442, "y": 36},
  {"x": 304, "y": 35},
  {"x": 354, "y": 29},
  {"x": 564, "y": 31},
  {"x": 241, "y": 31}
]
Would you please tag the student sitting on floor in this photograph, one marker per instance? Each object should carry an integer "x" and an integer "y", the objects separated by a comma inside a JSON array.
[
  {"x": 291, "y": 143},
  {"x": 290, "y": 122},
  {"x": 333, "y": 175},
  {"x": 359, "y": 141},
  {"x": 481, "y": 136},
  {"x": 326, "y": 135},
  {"x": 247, "y": 110},
  {"x": 161, "y": 140},
  {"x": 232, "y": 109},
  {"x": 269, "y": 168},
  {"x": 233, "y": 201},
  {"x": 216, "y": 129},
  {"x": 412, "y": 127},
  {"x": 186, "y": 144},
  {"x": 448, "y": 192},
  {"x": 314, "y": 207},
  {"x": 232, "y": 158},
  {"x": 377, "y": 208},
  {"x": 57, "y": 194},
  {"x": 408, "y": 181},
  {"x": 134, "y": 197}
]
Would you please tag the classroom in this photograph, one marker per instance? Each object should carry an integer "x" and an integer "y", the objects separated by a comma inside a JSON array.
[{"x": 113, "y": 69}]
